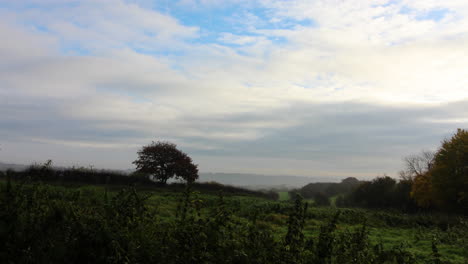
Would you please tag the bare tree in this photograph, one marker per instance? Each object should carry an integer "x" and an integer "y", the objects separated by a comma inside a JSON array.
[{"x": 418, "y": 164}]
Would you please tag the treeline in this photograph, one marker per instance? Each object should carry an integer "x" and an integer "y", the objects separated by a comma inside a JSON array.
[
  {"x": 82, "y": 176},
  {"x": 429, "y": 181},
  {"x": 46, "y": 173},
  {"x": 442, "y": 180},
  {"x": 322, "y": 191},
  {"x": 44, "y": 224},
  {"x": 382, "y": 192}
]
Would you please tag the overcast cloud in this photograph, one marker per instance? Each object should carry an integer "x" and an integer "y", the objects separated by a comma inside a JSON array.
[{"x": 338, "y": 88}]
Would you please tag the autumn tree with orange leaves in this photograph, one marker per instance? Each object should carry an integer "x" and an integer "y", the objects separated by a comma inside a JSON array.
[{"x": 445, "y": 182}]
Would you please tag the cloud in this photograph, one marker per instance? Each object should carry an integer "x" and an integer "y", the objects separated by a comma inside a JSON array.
[
  {"x": 365, "y": 82},
  {"x": 238, "y": 40},
  {"x": 96, "y": 26},
  {"x": 308, "y": 139}
]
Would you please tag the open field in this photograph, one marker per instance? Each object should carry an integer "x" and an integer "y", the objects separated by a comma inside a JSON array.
[
  {"x": 44, "y": 219},
  {"x": 283, "y": 196}
]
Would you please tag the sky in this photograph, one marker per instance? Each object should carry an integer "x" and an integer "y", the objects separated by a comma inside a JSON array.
[{"x": 331, "y": 88}]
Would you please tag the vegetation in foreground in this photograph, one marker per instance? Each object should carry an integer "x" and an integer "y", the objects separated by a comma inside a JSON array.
[{"x": 41, "y": 223}]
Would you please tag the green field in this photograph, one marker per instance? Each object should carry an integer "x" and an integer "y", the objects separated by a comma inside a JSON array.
[
  {"x": 137, "y": 225},
  {"x": 283, "y": 196}
]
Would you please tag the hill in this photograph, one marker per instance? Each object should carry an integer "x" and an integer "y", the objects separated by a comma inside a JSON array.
[
  {"x": 15, "y": 167},
  {"x": 257, "y": 181},
  {"x": 246, "y": 180}
]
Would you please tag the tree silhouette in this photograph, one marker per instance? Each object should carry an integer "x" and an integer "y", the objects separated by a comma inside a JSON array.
[{"x": 162, "y": 161}]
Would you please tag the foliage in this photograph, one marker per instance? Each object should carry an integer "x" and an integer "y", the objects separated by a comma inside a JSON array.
[
  {"x": 450, "y": 173},
  {"x": 381, "y": 192},
  {"x": 41, "y": 223},
  {"x": 328, "y": 188},
  {"x": 111, "y": 179},
  {"x": 321, "y": 199},
  {"x": 40, "y": 171},
  {"x": 377, "y": 193},
  {"x": 402, "y": 195},
  {"x": 294, "y": 240},
  {"x": 441, "y": 179},
  {"x": 47, "y": 173},
  {"x": 430, "y": 181},
  {"x": 162, "y": 161},
  {"x": 422, "y": 190}
]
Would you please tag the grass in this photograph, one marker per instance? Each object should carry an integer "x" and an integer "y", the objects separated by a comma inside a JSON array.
[
  {"x": 333, "y": 200},
  {"x": 283, "y": 196},
  {"x": 392, "y": 229},
  {"x": 382, "y": 227}
]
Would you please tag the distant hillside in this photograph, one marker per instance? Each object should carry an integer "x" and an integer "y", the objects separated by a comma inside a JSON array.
[
  {"x": 256, "y": 181},
  {"x": 329, "y": 189},
  {"x": 15, "y": 167},
  {"x": 250, "y": 181}
]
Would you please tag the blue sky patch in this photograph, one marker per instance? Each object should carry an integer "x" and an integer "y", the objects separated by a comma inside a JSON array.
[
  {"x": 214, "y": 22},
  {"x": 435, "y": 15}
]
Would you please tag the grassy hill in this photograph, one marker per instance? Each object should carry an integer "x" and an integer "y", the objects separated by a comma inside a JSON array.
[{"x": 51, "y": 224}]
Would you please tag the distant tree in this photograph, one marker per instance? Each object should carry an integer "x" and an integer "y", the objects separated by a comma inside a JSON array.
[
  {"x": 450, "y": 172},
  {"x": 341, "y": 201},
  {"x": 162, "y": 161},
  {"x": 421, "y": 190},
  {"x": 402, "y": 195},
  {"x": 443, "y": 179},
  {"x": 418, "y": 164},
  {"x": 321, "y": 199},
  {"x": 350, "y": 181},
  {"x": 329, "y": 189},
  {"x": 40, "y": 171},
  {"x": 416, "y": 177},
  {"x": 345, "y": 186},
  {"x": 311, "y": 189},
  {"x": 378, "y": 193}
]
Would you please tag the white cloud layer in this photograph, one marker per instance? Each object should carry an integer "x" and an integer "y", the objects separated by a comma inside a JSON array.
[{"x": 121, "y": 74}]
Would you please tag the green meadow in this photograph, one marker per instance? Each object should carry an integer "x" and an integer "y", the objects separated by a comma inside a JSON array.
[{"x": 44, "y": 223}]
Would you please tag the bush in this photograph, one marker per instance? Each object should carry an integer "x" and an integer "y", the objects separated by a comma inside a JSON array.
[{"x": 321, "y": 199}]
